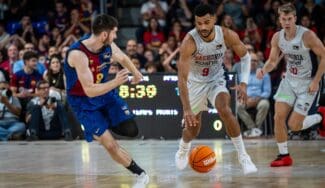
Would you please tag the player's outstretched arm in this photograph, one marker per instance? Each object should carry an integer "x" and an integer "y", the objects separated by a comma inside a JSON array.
[
  {"x": 79, "y": 61},
  {"x": 273, "y": 60},
  {"x": 312, "y": 41},
  {"x": 186, "y": 51},
  {"x": 125, "y": 61}
]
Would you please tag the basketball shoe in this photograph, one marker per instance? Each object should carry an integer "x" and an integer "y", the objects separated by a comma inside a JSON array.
[
  {"x": 181, "y": 158},
  {"x": 246, "y": 163},
  {"x": 141, "y": 180},
  {"x": 321, "y": 130},
  {"x": 282, "y": 160}
]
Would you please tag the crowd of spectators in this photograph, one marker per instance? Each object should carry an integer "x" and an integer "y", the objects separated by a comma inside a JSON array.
[{"x": 35, "y": 35}]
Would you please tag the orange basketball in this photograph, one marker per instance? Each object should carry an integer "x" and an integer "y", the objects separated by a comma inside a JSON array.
[{"x": 202, "y": 159}]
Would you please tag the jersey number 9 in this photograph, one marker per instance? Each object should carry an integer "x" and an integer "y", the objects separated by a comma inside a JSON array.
[{"x": 205, "y": 72}]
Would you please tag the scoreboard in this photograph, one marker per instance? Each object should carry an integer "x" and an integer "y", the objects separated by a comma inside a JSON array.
[{"x": 157, "y": 106}]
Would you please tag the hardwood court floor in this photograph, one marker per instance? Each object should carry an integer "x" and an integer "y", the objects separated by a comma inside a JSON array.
[{"x": 63, "y": 164}]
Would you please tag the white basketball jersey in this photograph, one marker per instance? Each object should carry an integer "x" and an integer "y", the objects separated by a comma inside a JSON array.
[
  {"x": 300, "y": 63},
  {"x": 206, "y": 64}
]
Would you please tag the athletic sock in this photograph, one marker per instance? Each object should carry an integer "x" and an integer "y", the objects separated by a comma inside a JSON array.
[
  {"x": 183, "y": 145},
  {"x": 283, "y": 148},
  {"x": 239, "y": 144},
  {"x": 134, "y": 168}
]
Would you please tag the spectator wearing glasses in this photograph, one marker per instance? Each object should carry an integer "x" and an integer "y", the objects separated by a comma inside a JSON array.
[
  {"x": 46, "y": 117},
  {"x": 237, "y": 66}
]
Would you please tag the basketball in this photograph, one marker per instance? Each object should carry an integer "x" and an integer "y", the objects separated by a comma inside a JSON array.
[{"x": 202, "y": 159}]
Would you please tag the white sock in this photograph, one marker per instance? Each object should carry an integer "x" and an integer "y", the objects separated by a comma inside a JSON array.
[
  {"x": 239, "y": 144},
  {"x": 311, "y": 120},
  {"x": 183, "y": 145},
  {"x": 283, "y": 148}
]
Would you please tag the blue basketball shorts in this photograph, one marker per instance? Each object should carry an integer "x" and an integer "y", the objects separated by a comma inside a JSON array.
[{"x": 96, "y": 121}]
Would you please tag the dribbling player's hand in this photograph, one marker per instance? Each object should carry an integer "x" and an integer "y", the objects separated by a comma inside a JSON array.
[
  {"x": 313, "y": 87},
  {"x": 241, "y": 93},
  {"x": 122, "y": 76},
  {"x": 259, "y": 73},
  {"x": 190, "y": 119},
  {"x": 136, "y": 78}
]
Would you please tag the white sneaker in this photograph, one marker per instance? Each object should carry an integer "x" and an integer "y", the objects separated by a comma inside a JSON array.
[
  {"x": 247, "y": 164},
  {"x": 141, "y": 181},
  {"x": 181, "y": 159},
  {"x": 256, "y": 132}
]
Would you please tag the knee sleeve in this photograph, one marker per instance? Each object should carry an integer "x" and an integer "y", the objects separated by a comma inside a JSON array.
[{"x": 127, "y": 128}]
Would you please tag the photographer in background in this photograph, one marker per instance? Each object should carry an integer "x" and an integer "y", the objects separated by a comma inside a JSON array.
[
  {"x": 9, "y": 114},
  {"x": 46, "y": 116}
]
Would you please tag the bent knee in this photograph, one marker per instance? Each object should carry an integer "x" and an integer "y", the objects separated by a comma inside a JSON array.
[
  {"x": 278, "y": 117},
  {"x": 263, "y": 104},
  {"x": 127, "y": 128}
]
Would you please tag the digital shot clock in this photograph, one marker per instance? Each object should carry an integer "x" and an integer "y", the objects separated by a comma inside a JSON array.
[{"x": 157, "y": 106}]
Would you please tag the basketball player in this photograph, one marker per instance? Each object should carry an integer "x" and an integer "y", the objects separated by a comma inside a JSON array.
[
  {"x": 200, "y": 78},
  {"x": 299, "y": 88},
  {"x": 94, "y": 98}
]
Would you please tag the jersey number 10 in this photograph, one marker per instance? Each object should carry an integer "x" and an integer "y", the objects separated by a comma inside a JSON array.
[{"x": 293, "y": 70}]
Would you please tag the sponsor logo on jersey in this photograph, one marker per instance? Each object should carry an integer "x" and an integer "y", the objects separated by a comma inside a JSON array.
[
  {"x": 207, "y": 60},
  {"x": 294, "y": 57},
  {"x": 218, "y": 47},
  {"x": 299, "y": 106},
  {"x": 102, "y": 66},
  {"x": 107, "y": 55}
]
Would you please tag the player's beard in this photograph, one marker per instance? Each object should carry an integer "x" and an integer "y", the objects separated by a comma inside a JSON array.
[{"x": 205, "y": 33}]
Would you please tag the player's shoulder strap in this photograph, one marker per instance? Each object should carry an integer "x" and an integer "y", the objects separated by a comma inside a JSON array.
[
  {"x": 300, "y": 31},
  {"x": 195, "y": 36}
]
